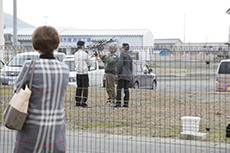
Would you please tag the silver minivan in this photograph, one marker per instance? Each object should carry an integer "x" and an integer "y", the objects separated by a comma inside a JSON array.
[
  {"x": 223, "y": 76},
  {"x": 11, "y": 69},
  {"x": 143, "y": 77}
]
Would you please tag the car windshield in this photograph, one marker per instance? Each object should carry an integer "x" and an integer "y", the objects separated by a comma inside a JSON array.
[
  {"x": 19, "y": 61},
  {"x": 93, "y": 66},
  {"x": 224, "y": 68},
  {"x": 145, "y": 68},
  {"x": 1, "y": 64},
  {"x": 59, "y": 56},
  {"x": 71, "y": 65},
  {"x": 136, "y": 67}
]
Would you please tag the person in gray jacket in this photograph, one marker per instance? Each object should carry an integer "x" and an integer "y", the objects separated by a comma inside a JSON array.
[
  {"x": 110, "y": 62},
  {"x": 124, "y": 73}
]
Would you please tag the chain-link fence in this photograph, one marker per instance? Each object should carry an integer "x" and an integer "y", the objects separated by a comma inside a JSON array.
[{"x": 178, "y": 102}]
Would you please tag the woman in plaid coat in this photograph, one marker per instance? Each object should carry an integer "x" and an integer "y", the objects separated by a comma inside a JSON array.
[{"x": 44, "y": 129}]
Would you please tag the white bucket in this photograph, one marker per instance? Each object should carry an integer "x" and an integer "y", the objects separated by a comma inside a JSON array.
[{"x": 190, "y": 123}]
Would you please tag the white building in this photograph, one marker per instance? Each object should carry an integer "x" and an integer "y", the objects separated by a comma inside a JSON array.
[
  {"x": 167, "y": 43},
  {"x": 137, "y": 38},
  {"x": 176, "y": 45},
  {"x": 70, "y": 36}
]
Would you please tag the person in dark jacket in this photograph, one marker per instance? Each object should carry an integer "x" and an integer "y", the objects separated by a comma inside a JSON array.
[{"x": 124, "y": 73}]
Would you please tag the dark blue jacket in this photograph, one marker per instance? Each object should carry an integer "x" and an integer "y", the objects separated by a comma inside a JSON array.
[{"x": 124, "y": 67}]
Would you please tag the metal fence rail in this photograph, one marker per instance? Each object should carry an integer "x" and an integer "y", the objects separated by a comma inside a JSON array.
[{"x": 186, "y": 86}]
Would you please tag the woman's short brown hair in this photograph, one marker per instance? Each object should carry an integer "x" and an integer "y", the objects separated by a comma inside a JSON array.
[{"x": 45, "y": 39}]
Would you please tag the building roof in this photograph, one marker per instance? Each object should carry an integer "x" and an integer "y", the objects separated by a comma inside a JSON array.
[
  {"x": 84, "y": 32},
  {"x": 104, "y": 32},
  {"x": 167, "y": 41},
  {"x": 205, "y": 44}
]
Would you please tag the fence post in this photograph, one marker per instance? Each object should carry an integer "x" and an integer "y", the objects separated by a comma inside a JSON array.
[{"x": 1, "y": 30}]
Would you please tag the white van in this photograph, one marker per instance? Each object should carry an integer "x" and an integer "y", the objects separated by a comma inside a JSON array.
[
  {"x": 223, "y": 76},
  {"x": 11, "y": 69}
]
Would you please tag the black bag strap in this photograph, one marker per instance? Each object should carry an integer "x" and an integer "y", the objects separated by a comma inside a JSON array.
[
  {"x": 32, "y": 75},
  {"x": 27, "y": 72}
]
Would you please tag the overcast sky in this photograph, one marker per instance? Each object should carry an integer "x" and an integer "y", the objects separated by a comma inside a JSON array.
[{"x": 188, "y": 20}]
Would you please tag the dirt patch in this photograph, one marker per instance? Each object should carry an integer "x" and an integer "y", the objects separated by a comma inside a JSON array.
[{"x": 150, "y": 113}]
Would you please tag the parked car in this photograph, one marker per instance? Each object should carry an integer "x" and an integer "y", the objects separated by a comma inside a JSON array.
[
  {"x": 142, "y": 77},
  {"x": 223, "y": 76},
  {"x": 11, "y": 69},
  {"x": 1, "y": 64},
  {"x": 96, "y": 72}
]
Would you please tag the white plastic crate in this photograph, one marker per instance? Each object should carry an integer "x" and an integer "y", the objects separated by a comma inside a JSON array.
[{"x": 190, "y": 123}]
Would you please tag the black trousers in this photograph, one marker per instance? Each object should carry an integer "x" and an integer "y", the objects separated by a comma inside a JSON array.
[
  {"x": 125, "y": 85},
  {"x": 82, "y": 88}
]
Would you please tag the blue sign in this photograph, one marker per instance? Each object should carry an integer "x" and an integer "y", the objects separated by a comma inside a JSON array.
[{"x": 74, "y": 39}]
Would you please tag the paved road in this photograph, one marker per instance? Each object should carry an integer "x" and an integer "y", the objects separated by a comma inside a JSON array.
[
  {"x": 78, "y": 142},
  {"x": 186, "y": 76},
  {"x": 203, "y": 84}
]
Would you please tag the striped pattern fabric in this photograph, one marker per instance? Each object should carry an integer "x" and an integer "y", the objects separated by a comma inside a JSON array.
[{"x": 44, "y": 129}]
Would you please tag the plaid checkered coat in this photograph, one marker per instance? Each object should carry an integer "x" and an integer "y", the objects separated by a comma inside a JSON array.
[{"x": 44, "y": 129}]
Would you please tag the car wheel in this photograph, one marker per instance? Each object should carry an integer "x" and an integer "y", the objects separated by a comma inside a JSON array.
[
  {"x": 154, "y": 85},
  {"x": 136, "y": 85}
]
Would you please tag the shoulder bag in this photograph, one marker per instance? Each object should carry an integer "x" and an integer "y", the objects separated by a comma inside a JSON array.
[{"x": 16, "y": 112}]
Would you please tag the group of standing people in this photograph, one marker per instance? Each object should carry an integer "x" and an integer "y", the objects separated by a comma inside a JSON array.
[
  {"x": 119, "y": 68},
  {"x": 116, "y": 67}
]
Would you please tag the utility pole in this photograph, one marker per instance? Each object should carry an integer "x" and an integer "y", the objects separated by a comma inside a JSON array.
[
  {"x": 228, "y": 12},
  {"x": 2, "y": 41},
  {"x": 184, "y": 27},
  {"x": 229, "y": 43},
  {"x": 15, "y": 25},
  {"x": 45, "y": 18}
]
